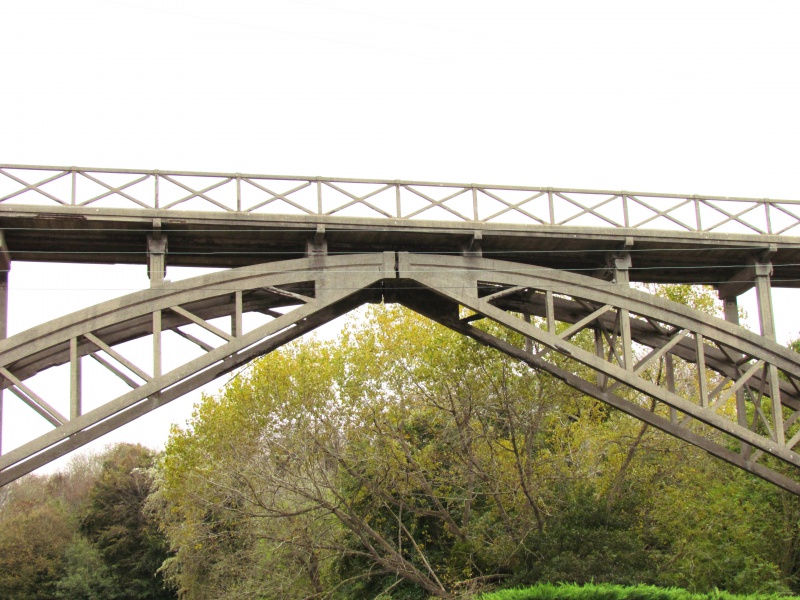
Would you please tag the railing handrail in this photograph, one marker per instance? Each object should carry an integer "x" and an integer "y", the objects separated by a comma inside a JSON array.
[{"x": 480, "y": 203}]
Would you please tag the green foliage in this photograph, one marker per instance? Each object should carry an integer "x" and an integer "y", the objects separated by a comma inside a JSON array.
[
  {"x": 615, "y": 592},
  {"x": 81, "y": 533},
  {"x": 702, "y": 298},
  {"x": 407, "y": 461},
  {"x": 115, "y": 523},
  {"x": 593, "y": 540},
  {"x": 33, "y": 538},
  {"x": 404, "y": 461},
  {"x": 86, "y": 575}
]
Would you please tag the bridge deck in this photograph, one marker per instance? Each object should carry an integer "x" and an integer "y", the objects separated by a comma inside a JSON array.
[
  {"x": 203, "y": 239},
  {"x": 50, "y": 213}
]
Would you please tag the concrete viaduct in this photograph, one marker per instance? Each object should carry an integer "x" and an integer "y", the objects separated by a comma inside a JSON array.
[{"x": 559, "y": 267}]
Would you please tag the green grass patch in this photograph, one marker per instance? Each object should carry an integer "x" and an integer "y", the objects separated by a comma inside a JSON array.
[{"x": 548, "y": 591}]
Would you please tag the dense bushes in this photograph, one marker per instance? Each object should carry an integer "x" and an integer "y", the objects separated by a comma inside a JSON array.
[
  {"x": 82, "y": 534},
  {"x": 615, "y": 592}
]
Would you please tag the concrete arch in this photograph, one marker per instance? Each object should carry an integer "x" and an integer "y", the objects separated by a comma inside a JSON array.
[
  {"x": 742, "y": 403},
  {"x": 297, "y": 295}
]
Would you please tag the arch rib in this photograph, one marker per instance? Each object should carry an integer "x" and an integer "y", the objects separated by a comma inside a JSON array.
[
  {"x": 332, "y": 286},
  {"x": 703, "y": 415},
  {"x": 635, "y": 336}
]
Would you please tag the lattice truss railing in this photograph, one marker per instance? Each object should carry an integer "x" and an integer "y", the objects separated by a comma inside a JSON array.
[
  {"x": 385, "y": 199},
  {"x": 121, "y": 359},
  {"x": 716, "y": 385}
]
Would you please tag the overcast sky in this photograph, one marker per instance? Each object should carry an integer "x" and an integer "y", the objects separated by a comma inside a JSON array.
[{"x": 683, "y": 97}]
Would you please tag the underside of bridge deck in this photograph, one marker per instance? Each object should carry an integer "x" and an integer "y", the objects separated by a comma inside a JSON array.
[{"x": 120, "y": 236}]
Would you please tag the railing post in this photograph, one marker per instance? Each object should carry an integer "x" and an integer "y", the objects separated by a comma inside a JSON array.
[
  {"x": 767, "y": 215},
  {"x": 697, "y": 213},
  {"x": 397, "y": 200},
  {"x": 238, "y": 193},
  {"x": 625, "y": 215}
]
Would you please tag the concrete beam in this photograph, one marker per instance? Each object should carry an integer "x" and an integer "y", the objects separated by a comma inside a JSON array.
[{"x": 744, "y": 280}]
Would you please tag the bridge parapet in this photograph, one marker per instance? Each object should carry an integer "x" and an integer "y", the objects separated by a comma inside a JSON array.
[{"x": 393, "y": 200}]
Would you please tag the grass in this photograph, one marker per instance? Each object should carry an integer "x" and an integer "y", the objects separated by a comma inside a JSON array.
[{"x": 548, "y": 591}]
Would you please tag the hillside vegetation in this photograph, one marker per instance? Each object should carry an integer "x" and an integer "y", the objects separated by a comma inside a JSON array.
[
  {"x": 616, "y": 592},
  {"x": 400, "y": 462}
]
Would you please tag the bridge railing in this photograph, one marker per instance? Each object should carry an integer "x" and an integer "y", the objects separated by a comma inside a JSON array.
[{"x": 396, "y": 200}]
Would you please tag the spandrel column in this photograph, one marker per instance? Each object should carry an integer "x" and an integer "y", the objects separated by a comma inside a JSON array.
[
  {"x": 156, "y": 271},
  {"x": 731, "y": 308},
  {"x": 622, "y": 264},
  {"x": 766, "y": 318}
]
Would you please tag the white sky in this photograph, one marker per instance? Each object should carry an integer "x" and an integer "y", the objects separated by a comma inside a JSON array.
[{"x": 684, "y": 97}]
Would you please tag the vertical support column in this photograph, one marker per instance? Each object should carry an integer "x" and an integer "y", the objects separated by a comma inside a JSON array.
[
  {"x": 157, "y": 272},
  {"x": 156, "y": 255},
  {"x": 702, "y": 379},
  {"x": 766, "y": 318},
  {"x": 156, "y": 344},
  {"x": 550, "y": 311},
  {"x": 5, "y": 266},
  {"x": 669, "y": 365},
  {"x": 622, "y": 262},
  {"x": 602, "y": 378},
  {"x": 731, "y": 308},
  {"x": 236, "y": 317},
  {"x": 75, "y": 405},
  {"x": 528, "y": 341}
]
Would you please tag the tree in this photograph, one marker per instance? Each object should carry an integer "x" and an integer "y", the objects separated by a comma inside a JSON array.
[
  {"x": 81, "y": 533},
  {"x": 118, "y": 528},
  {"x": 34, "y": 535},
  {"x": 407, "y": 461},
  {"x": 86, "y": 576}
]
